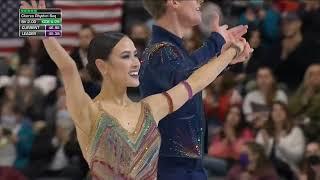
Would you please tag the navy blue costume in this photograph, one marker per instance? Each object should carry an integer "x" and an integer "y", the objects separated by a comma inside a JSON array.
[{"x": 165, "y": 63}]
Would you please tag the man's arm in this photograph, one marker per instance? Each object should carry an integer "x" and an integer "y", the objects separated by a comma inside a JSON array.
[
  {"x": 161, "y": 70},
  {"x": 219, "y": 37},
  {"x": 210, "y": 48}
]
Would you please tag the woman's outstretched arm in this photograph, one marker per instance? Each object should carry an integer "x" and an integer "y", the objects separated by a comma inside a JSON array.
[
  {"x": 78, "y": 102},
  {"x": 198, "y": 80}
]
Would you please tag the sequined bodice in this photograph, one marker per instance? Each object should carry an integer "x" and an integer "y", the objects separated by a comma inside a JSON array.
[{"x": 119, "y": 154}]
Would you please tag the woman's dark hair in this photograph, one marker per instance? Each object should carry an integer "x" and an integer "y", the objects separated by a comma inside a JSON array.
[
  {"x": 87, "y": 26},
  {"x": 228, "y": 82},
  {"x": 258, "y": 150},
  {"x": 288, "y": 124},
  {"x": 271, "y": 95},
  {"x": 242, "y": 123},
  {"x": 101, "y": 47}
]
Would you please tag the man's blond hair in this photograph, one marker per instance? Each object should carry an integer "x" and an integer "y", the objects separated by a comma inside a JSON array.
[{"x": 156, "y": 8}]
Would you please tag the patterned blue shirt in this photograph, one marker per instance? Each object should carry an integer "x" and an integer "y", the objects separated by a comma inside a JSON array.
[{"x": 165, "y": 63}]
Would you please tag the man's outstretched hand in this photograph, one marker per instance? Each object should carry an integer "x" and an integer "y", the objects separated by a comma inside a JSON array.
[
  {"x": 229, "y": 35},
  {"x": 245, "y": 54},
  {"x": 232, "y": 36}
]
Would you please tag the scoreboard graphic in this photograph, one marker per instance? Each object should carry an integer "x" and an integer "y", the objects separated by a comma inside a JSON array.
[{"x": 40, "y": 22}]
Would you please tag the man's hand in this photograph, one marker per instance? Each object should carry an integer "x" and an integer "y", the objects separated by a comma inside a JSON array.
[
  {"x": 245, "y": 52},
  {"x": 244, "y": 55},
  {"x": 233, "y": 35},
  {"x": 229, "y": 35}
]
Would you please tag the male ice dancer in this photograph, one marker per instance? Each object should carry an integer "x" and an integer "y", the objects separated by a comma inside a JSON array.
[{"x": 165, "y": 63}]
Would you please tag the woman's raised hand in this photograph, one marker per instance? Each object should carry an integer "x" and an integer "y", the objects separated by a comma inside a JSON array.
[{"x": 33, "y": 5}]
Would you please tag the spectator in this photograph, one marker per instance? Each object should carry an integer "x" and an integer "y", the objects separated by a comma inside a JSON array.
[
  {"x": 310, "y": 167},
  {"x": 7, "y": 149},
  {"x": 11, "y": 173},
  {"x": 311, "y": 20},
  {"x": 139, "y": 33},
  {"x": 9, "y": 94},
  {"x": 227, "y": 144},
  {"x": 253, "y": 164},
  {"x": 79, "y": 55},
  {"x": 210, "y": 102},
  {"x": 58, "y": 110},
  {"x": 56, "y": 154},
  {"x": 284, "y": 142},
  {"x": 293, "y": 54},
  {"x": 249, "y": 17},
  {"x": 257, "y": 102},
  {"x": 194, "y": 40},
  {"x": 305, "y": 103},
  {"x": 228, "y": 95},
  {"x": 22, "y": 133},
  {"x": 270, "y": 17},
  {"x": 33, "y": 53},
  {"x": 29, "y": 97},
  {"x": 4, "y": 66},
  {"x": 248, "y": 69}
]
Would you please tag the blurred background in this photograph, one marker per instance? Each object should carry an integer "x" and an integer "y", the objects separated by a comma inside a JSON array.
[{"x": 268, "y": 106}]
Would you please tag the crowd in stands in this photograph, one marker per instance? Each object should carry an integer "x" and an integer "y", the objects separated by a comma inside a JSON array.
[{"x": 263, "y": 116}]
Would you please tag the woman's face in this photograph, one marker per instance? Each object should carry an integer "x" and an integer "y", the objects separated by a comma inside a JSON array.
[
  {"x": 233, "y": 117},
  {"x": 313, "y": 76},
  {"x": 255, "y": 39},
  {"x": 278, "y": 114},
  {"x": 264, "y": 78},
  {"x": 123, "y": 65},
  {"x": 189, "y": 12}
]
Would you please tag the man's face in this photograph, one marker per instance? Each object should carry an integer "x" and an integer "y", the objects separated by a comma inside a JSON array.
[
  {"x": 290, "y": 27},
  {"x": 188, "y": 12}
]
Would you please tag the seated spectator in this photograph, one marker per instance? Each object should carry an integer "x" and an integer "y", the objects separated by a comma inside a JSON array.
[
  {"x": 7, "y": 149},
  {"x": 309, "y": 169},
  {"x": 228, "y": 142},
  {"x": 250, "y": 17},
  {"x": 221, "y": 96},
  {"x": 29, "y": 97},
  {"x": 11, "y": 173},
  {"x": 228, "y": 95},
  {"x": 253, "y": 164},
  {"x": 210, "y": 103},
  {"x": 139, "y": 33},
  {"x": 257, "y": 102},
  {"x": 193, "y": 40},
  {"x": 8, "y": 94},
  {"x": 248, "y": 69},
  {"x": 56, "y": 154},
  {"x": 311, "y": 19},
  {"x": 305, "y": 103},
  {"x": 79, "y": 55},
  {"x": 13, "y": 118},
  {"x": 290, "y": 57},
  {"x": 58, "y": 108},
  {"x": 283, "y": 141},
  {"x": 34, "y": 54}
]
